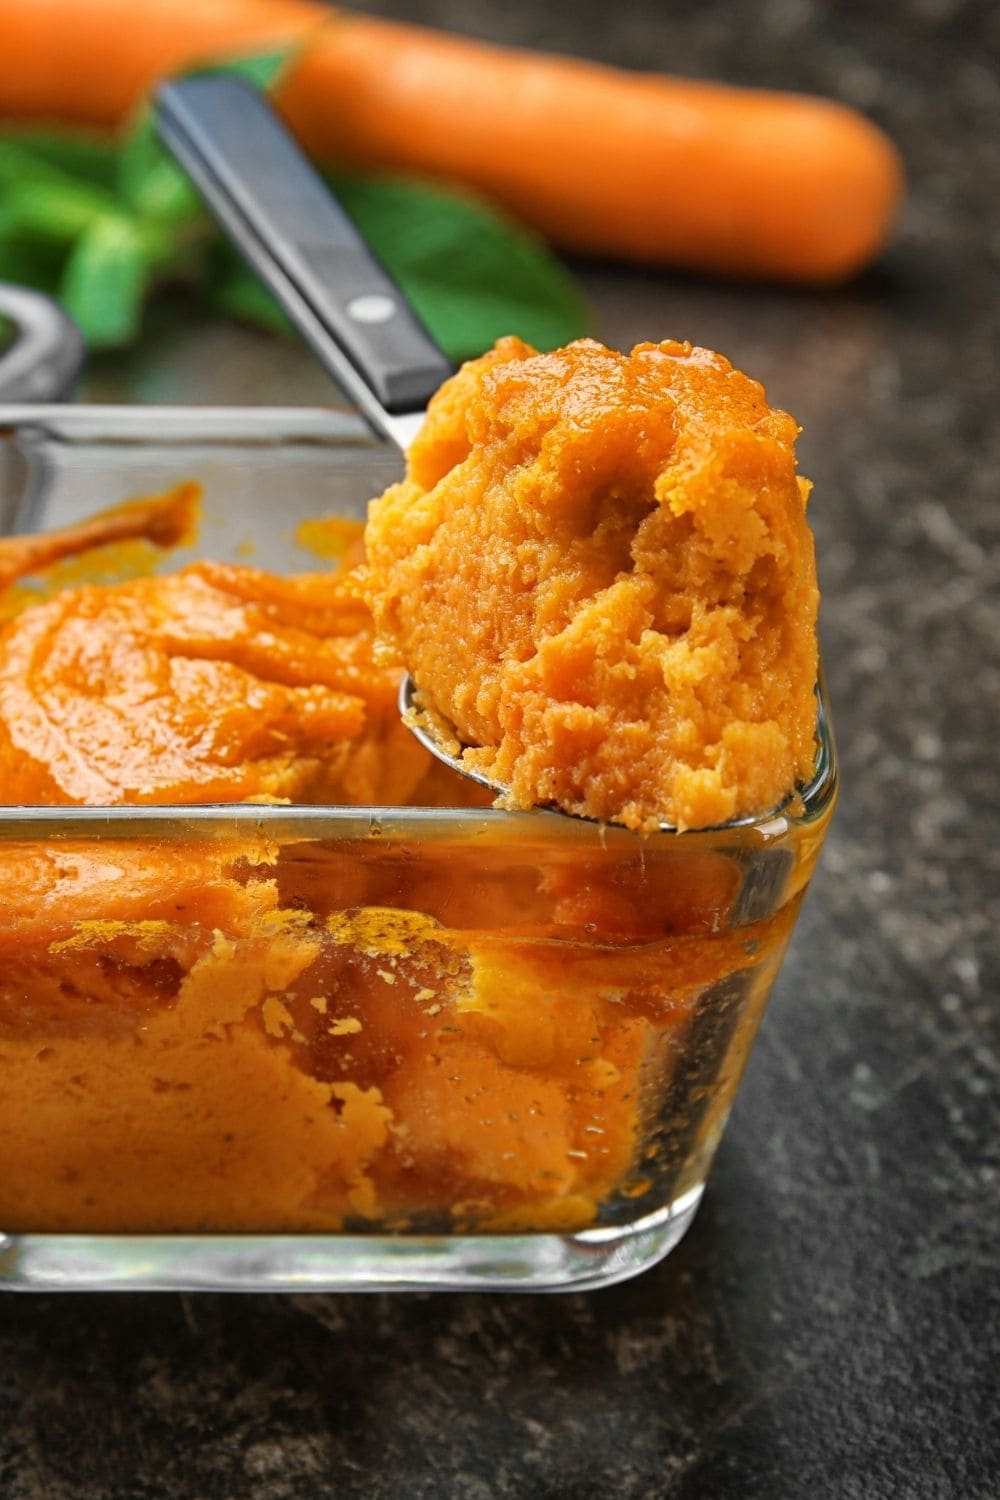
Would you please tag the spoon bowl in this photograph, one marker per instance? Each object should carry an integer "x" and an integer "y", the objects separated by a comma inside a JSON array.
[{"x": 421, "y": 725}]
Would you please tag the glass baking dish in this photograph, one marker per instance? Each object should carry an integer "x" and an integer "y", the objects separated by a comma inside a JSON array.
[{"x": 270, "y": 1047}]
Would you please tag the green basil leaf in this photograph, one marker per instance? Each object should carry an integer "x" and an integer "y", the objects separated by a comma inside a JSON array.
[
  {"x": 51, "y": 211},
  {"x": 148, "y": 180},
  {"x": 23, "y": 165},
  {"x": 56, "y": 156},
  {"x": 262, "y": 69},
  {"x": 471, "y": 273},
  {"x": 105, "y": 282},
  {"x": 29, "y": 264}
]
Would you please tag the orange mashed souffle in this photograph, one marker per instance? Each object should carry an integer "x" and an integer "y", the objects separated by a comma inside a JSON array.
[
  {"x": 598, "y": 572},
  {"x": 216, "y": 683}
]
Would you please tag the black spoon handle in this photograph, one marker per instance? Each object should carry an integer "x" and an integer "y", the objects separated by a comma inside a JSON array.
[{"x": 281, "y": 216}]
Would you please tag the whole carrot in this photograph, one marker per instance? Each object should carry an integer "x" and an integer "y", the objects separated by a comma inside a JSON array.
[
  {"x": 645, "y": 167},
  {"x": 90, "y": 62},
  {"x": 639, "y": 166}
]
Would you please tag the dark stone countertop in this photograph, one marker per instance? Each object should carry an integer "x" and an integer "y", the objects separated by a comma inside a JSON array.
[{"x": 830, "y": 1325}]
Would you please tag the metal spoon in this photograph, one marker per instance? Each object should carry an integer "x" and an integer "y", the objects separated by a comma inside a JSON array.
[
  {"x": 422, "y": 726},
  {"x": 282, "y": 218}
]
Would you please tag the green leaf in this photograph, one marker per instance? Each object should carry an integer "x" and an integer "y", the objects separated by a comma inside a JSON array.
[
  {"x": 262, "y": 69},
  {"x": 470, "y": 272},
  {"x": 51, "y": 211},
  {"x": 105, "y": 282},
  {"x": 150, "y": 183},
  {"x": 22, "y": 163},
  {"x": 73, "y": 154},
  {"x": 28, "y": 264}
]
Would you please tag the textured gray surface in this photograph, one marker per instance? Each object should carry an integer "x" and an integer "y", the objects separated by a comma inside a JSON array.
[{"x": 830, "y": 1326}]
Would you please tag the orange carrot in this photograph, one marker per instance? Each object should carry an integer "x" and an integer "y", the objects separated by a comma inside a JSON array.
[
  {"x": 640, "y": 166},
  {"x": 648, "y": 168},
  {"x": 91, "y": 61}
]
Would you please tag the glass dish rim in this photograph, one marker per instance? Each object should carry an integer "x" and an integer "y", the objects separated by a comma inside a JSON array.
[{"x": 801, "y": 808}]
